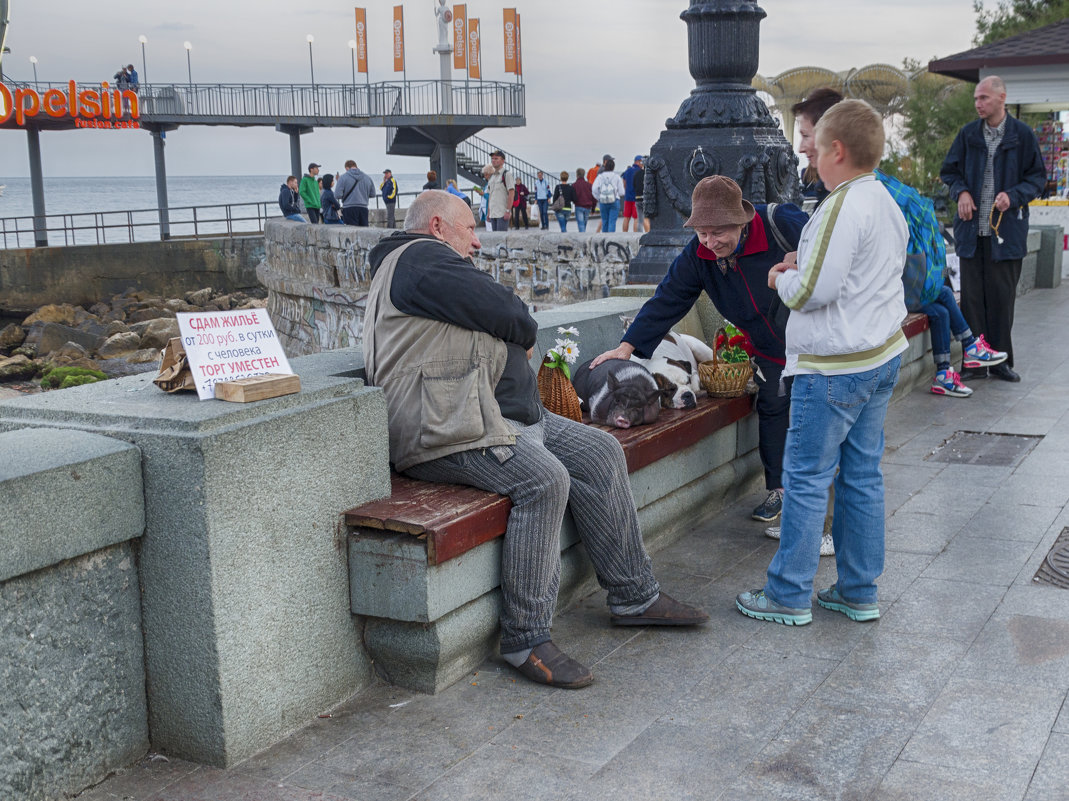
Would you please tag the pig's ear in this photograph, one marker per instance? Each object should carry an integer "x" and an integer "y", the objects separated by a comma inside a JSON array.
[
  {"x": 613, "y": 383},
  {"x": 682, "y": 365}
]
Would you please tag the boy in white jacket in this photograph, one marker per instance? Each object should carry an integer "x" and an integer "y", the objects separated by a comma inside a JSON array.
[{"x": 844, "y": 341}]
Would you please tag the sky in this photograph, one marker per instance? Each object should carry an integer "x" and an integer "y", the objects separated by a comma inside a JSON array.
[{"x": 601, "y": 76}]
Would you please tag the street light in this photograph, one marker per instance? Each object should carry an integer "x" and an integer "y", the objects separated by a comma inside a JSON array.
[
  {"x": 189, "y": 67},
  {"x": 33, "y": 60},
  {"x": 144, "y": 69},
  {"x": 311, "y": 66},
  {"x": 352, "y": 47}
]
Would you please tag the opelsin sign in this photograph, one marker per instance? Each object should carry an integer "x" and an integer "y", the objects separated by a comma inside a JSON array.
[{"x": 105, "y": 107}]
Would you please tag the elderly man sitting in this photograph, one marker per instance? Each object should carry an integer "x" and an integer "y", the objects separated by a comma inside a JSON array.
[{"x": 450, "y": 348}]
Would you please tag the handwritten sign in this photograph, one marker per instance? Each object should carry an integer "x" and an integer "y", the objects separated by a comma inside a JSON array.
[{"x": 225, "y": 345}]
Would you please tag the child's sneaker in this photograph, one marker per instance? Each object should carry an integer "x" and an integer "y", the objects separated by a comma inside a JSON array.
[
  {"x": 947, "y": 382},
  {"x": 980, "y": 354}
]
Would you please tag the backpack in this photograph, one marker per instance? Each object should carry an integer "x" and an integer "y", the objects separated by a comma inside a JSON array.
[
  {"x": 607, "y": 192},
  {"x": 926, "y": 253}
]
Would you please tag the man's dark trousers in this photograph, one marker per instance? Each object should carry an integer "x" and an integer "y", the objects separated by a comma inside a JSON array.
[
  {"x": 391, "y": 221},
  {"x": 988, "y": 293},
  {"x": 355, "y": 215},
  {"x": 314, "y": 216}
]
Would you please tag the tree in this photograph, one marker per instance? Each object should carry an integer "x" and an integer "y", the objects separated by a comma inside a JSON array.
[{"x": 1011, "y": 17}]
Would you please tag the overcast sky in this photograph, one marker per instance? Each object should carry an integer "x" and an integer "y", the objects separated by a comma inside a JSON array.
[{"x": 601, "y": 75}]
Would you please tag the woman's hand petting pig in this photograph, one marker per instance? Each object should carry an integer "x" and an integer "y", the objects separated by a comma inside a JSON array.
[{"x": 621, "y": 351}]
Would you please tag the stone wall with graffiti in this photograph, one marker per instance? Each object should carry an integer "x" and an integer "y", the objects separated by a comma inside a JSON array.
[{"x": 317, "y": 275}]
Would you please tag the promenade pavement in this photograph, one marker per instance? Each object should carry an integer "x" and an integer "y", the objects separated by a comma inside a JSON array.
[{"x": 957, "y": 692}]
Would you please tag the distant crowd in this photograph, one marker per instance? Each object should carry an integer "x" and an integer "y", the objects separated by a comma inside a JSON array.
[{"x": 502, "y": 204}]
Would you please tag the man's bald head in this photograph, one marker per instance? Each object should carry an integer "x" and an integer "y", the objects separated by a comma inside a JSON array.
[
  {"x": 445, "y": 217},
  {"x": 989, "y": 98}
]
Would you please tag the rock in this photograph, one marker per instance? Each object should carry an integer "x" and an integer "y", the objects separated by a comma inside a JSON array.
[
  {"x": 144, "y": 356},
  {"x": 200, "y": 297},
  {"x": 53, "y": 313},
  {"x": 82, "y": 317},
  {"x": 67, "y": 353},
  {"x": 223, "y": 302},
  {"x": 177, "y": 305},
  {"x": 141, "y": 315},
  {"x": 115, "y": 327},
  {"x": 47, "y": 337},
  {"x": 93, "y": 326},
  {"x": 119, "y": 345},
  {"x": 117, "y": 368},
  {"x": 17, "y": 367},
  {"x": 12, "y": 336},
  {"x": 100, "y": 309},
  {"x": 29, "y": 351},
  {"x": 254, "y": 304},
  {"x": 158, "y": 332}
]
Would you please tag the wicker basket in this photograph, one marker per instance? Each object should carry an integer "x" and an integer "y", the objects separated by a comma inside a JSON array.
[
  {"x": 724, "y": 379},
  {"x": 558, "y": 394}
]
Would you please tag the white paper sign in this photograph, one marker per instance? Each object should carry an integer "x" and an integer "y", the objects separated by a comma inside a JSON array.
[{"x": 225, "y": 345}]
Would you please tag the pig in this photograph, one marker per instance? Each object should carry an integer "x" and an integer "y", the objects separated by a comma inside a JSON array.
[{"x": 618, "y": 393}]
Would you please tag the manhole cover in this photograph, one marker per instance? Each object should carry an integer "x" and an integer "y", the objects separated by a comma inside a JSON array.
[
  {"x": 981, "y": 448},
  {"x": 1055, "y": 568}
]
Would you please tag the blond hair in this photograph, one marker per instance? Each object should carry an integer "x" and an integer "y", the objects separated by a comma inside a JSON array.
[{"x": 859, "y": 127}]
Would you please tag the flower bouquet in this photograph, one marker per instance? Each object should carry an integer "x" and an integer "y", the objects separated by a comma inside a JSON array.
[
  {"x": 727, "y": 374},
  {"x": 555, "y": 376}
]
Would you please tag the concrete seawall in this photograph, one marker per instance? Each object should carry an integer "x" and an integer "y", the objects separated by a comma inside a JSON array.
[{"x": 85, "y": 274}]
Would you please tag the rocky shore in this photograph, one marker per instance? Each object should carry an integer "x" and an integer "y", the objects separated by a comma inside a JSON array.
[{"x": 63, "y": 345}]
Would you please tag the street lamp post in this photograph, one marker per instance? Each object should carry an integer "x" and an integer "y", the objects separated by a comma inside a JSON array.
[
  {"x": 189, "y": 67},
  {"x": 352, "y": 48},
  {"x": 144, "y": 69},
  {"x": 311, "y": 66},
  {"x": 33, "y": 61}
]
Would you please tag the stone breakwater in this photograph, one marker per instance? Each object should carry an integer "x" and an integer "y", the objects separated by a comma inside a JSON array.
[
  {"x": 317, "y": 276},
  {"x": 117, "y": 337}
]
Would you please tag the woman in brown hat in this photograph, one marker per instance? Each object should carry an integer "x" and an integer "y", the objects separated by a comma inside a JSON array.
[{"x": 734, "y": 247}]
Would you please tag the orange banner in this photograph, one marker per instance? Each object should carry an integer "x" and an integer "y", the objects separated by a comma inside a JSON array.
[
  {"x": 509, "y": 15},
  {"x": 475, "y": 69},
  {"x": 398, "y": 38},
  {"x": 361, "y": 41},
  {"x": 460, "y": 36},
  {"x": 519, "y": 47}
]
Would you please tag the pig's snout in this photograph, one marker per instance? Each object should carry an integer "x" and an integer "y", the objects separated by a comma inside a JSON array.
[{"x": 620, "y": 421}]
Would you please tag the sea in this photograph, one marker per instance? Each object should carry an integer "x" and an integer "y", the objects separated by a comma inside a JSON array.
[{"x": 114, "y": 209}]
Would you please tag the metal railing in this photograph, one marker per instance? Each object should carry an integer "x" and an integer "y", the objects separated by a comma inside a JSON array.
[
  {"x": 478, "y": 150},
  {"x": 219, "y": 103},
  {"x": 138, "y": 225}
]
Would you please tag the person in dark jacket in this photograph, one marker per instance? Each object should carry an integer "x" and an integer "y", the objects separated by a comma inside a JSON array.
[
  {"x": 734, "y": 247},
  {"x": 432, "y": 180},
  {"x": 450, "y": 347},
  {"x": 994, "y": 168},
  {"x": 287, "y": 200},
  {"x": 388, "y": 191},
  {"x": 567, "y": 191},
  {"x": 329, "y": 203},
  {"x": 584, "y": 199},
  {"x": 519, "y": 205}
]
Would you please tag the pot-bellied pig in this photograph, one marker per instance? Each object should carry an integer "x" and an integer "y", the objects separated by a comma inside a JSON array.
[{"x": 618, "y": 393}]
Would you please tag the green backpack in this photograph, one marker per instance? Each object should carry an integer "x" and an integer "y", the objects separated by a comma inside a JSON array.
[{"x": 926, "y": 253}]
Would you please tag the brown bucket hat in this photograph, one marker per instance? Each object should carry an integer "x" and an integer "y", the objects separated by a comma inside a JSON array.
[{"x": 717, "y": 201}]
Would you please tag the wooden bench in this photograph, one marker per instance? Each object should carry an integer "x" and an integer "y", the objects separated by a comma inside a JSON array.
[{"x": 453, "y": 519}]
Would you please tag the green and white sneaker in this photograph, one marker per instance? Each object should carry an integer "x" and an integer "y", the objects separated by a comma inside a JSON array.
[
  {"x": 831, "y": 599},
  {"x": 827, "y": 546},
  {"x": 759, "y": 606}
]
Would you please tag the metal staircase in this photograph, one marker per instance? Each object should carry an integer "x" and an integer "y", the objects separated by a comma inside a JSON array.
[{"x": 472, "y": 154}]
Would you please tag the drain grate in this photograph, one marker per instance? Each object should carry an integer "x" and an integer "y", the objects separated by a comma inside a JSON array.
[
  {"x": 983, "y": 448},
  {"x": 1055, "y": 568}
]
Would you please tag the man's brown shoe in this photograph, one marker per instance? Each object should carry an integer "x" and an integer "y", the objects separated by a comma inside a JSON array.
[
  {"x": 666, "y": 611},
  {"x": 548, "y": 664}
]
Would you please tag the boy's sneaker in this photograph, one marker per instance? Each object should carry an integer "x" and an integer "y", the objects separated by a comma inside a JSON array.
[
  {"x": 759, "y": 606},
  {"x": 980, "y": 354},
  {"x": 831, "y": 599},
  {"x": 947, "y": 382},
  {"x": 771, "y": 508},
  {"x": 827, "y": 546}
]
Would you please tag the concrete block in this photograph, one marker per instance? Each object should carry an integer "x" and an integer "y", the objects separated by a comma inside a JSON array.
[
  {"x": 598, "y": 322},
  {"x": 247, "y": 626},
  {"x": 1049, "y": 264},
  {"x": 72, "y": 681},
  {"x": 64, "y": 494}
]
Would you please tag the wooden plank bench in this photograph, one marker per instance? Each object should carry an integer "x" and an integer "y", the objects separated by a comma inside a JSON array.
[{"x": 453, "y": 519}]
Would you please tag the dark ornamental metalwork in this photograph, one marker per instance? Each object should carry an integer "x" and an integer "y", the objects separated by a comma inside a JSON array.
[{"x": 722, "y": 128}]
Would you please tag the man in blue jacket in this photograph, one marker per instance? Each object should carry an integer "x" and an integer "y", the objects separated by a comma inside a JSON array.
[
  {"x": 993, "y": 169},
  {"x": 734, "y": 246}
]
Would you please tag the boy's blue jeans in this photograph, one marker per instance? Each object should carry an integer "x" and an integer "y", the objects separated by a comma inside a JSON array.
[
  {"x": 836, "y": 422},
  {"x": 944, "y": 319}
]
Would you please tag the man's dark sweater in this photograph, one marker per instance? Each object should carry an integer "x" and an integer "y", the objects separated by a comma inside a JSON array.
[{"x": 438, "y": 284}]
